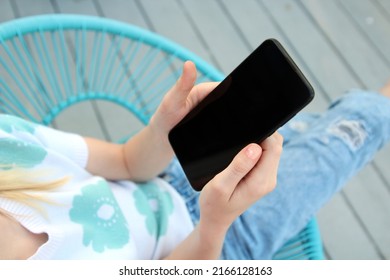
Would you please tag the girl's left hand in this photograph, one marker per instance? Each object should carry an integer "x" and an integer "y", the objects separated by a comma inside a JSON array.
[{"x": 180, "y": 100}]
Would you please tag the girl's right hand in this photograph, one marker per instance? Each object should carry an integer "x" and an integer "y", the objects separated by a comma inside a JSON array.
[{"x": 251, "y": 175}]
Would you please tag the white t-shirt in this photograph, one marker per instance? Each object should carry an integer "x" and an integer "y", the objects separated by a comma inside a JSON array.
[{"x": 89, "y": 217}]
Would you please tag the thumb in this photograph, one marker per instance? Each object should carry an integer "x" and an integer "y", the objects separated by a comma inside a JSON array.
[
  {"x": 240, "y": 166},
  {"x": 185, "y": 83}
]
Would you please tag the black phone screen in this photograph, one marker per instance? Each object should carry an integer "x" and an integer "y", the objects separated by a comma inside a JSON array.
[{"x": 259, "y": 96}]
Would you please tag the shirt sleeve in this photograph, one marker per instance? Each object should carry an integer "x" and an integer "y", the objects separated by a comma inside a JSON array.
[{"x": 70, "y": 145}]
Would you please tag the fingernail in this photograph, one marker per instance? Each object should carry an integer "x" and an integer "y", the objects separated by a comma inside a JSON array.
[{"x": 253, "y": 151}]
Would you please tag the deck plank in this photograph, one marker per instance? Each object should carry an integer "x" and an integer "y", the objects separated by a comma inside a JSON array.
[
  {"x": 383, "y": 5},
  {"x": 355, "y": 245},
  {"x": 308, "y": 40},
  {"x": 370, "y": 201},
  {"x": 255, "y": 26},
  {"x": 369, "y": 69},
  {"x": 172, "y": 15},
  {"x": 371, "y": 22},
  {"x": 6, "y": 12},
  {"x": 216, "y": 30},
  {"x": 122, "y": 10}
]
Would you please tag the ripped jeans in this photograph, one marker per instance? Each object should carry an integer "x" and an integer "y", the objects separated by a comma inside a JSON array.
[{"x": 321, "y": 152}]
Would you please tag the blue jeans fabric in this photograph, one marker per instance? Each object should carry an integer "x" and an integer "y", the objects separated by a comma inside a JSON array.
[{"x": 321, "y": 152}]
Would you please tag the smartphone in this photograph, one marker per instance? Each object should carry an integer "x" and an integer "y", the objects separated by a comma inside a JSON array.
[{"x": 265, "y": 91}]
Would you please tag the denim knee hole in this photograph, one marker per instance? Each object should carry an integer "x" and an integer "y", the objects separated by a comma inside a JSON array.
[{"x": 352, "y": 132}]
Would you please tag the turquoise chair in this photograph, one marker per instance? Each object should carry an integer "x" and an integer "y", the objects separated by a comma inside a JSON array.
[{"x": 51, "y": 62}]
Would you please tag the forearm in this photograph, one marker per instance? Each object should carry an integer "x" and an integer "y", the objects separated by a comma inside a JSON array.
[
  {"x": 147, "y": 154},
  {"x": 203, "y": 243},
  {"x": 143, "y": 157}
]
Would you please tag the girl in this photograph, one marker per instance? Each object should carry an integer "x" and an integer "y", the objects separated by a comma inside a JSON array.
[{"x": 104, "y": 200}]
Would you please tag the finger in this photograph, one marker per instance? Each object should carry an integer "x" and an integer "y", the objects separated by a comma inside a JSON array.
[
  {"x": 262, "y": 178},
  {"x": 241, "y": 165},
  {"x": 185, "y": 83},
  {"x": 199, "y": 92},
  {"x": 272, "y": 150},
  {"x": 205, "y": 88},
  {"x": 275, "y": 140}
]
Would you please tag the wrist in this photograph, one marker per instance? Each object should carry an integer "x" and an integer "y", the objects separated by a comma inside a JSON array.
[
  {"x": 209, "y": 233},
  {"x": 157, "y": 129},
  {"x": 160, "y": 137}
]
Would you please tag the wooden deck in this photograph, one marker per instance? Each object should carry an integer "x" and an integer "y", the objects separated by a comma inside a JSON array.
[{"x": 339, "y": 44}]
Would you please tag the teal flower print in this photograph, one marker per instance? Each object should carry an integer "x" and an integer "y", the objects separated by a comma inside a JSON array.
[
  {"x": 156, "y": 205},
  {"x": 16, "y": 152},
  {"x": 19, "y": 153},
  {"x": 10, "y": 123},
  {"x": 101, "y": 218}
]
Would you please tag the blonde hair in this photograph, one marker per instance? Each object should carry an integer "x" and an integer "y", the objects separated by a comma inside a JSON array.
[{"x": 24, "y": 186}]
